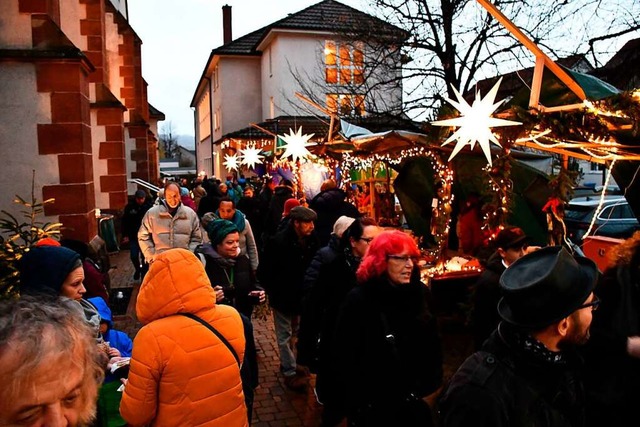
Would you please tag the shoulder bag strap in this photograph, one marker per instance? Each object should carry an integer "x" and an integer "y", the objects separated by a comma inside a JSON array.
[{"x": 215, "y": 331}]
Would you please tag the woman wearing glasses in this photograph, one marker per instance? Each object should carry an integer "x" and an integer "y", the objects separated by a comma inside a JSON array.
[{"x": 386, "y": 352}]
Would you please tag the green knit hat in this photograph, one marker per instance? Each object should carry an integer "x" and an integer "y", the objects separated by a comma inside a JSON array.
[{"x": 218, "y": 229}]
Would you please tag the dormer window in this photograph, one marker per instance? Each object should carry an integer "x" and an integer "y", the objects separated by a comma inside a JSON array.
[{"x": 344, "y": 63}]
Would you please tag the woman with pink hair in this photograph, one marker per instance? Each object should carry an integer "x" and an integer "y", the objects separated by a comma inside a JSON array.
[{"x": 387, "y": 352}]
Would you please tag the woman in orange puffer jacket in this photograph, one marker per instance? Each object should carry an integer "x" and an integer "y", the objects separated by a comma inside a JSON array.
[{"x": 181, "y": 374}]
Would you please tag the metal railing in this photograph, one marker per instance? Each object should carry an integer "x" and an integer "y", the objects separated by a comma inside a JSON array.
[{"x": 144, "y": 184}]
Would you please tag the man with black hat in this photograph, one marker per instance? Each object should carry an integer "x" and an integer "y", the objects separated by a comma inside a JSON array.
[
  {"x": 131, "y": 220},
  {"x": 511, "y": 244},
  {"x": 286, "y": 258},
  {"x": 527, "y": 372}
]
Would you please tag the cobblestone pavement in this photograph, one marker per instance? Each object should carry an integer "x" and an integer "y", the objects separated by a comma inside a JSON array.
[{"x": 275, "y": 405}]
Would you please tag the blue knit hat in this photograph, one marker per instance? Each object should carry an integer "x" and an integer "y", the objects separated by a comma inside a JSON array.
[
  {"x": 218, "y": 229},
  {"x": 44, "y": 269}
]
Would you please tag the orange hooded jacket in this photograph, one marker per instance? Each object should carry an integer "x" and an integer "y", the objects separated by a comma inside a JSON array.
[{"x": 181, "y": 374}]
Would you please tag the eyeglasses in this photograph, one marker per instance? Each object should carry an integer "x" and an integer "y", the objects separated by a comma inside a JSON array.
[
  {"x": 403, "y": 258},
  {"x": 367, "y": 240},
  {"x": 594, "y": 304}
]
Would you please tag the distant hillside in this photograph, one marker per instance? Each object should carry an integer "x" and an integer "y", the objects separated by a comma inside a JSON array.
[{"x": 187, "y": 141}]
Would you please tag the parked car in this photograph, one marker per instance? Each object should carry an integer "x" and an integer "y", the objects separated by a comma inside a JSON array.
[
  {"x": 596, "y": 191},
  {"x": 615, "y": 219}
]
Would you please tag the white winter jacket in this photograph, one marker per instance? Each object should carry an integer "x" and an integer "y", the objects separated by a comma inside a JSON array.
[{"x": 160, "y": 231}]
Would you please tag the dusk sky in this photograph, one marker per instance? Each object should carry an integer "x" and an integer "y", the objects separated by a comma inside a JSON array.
[{"x": 178, "y": 37}]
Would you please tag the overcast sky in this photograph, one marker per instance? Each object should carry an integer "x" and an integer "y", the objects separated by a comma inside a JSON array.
[{"x": 178, "y": 36}]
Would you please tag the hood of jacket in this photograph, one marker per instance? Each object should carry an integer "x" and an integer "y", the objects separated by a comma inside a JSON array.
[
  {"x": 239, "y": 219},
  {"x": 176, "y": 283},
  {"x": 328, "y": 199},
  {"x": 103, "y": 309}
]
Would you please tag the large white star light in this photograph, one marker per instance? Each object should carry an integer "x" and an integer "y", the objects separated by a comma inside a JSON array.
[
  {"x": 231, "y": 162},
  {"x": 475, "y": 122},
  {"x": 296, "y": 145},
  {"x": 251, "y": 156}
]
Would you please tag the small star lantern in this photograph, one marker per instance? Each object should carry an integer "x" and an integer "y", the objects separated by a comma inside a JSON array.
[
  {"x": 475, "y": 122},
  {"x": 251, "y": 156},
  {"x": 296, "y": 145},
  {"x": 231, "y": 162}
]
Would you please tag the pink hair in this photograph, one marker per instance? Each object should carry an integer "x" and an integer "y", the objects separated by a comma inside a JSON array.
[{"x": 393, "y": 242}]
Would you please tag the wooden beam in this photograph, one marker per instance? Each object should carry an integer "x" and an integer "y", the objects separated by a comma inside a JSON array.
[
  {"x": 260, "y": 128},
  {"x": 536, "y": 84},
  {"x": 315, "y": 105},
  {"x": 557, "y": 150},
  {"x": 567, "y": 107},
  {"x": 275, "y": 137},
  {"x": 529, "y": 44}
]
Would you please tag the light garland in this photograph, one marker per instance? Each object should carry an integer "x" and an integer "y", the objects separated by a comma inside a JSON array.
[
  {"x": 443, "y": 173},
  {"x": 601, "y": 201},
  {"x": 500, "y": 188},
  {"x": 594, "y": 109}
]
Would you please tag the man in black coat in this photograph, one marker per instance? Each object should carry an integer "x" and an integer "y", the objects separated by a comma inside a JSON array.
[
  {"x": 131, "y": 220},
  {"x": 328, "y": 280},
  {"x": 281, "y": 272},
  {"x": 528, "y": 373},
  {"x": 511, "y": 243},
  {"x": 330, "y": 204},
  {"x": 281, "y": 194}
]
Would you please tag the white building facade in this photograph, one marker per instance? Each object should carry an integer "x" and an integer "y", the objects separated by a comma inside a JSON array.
[{"x": 255, "y": 78}]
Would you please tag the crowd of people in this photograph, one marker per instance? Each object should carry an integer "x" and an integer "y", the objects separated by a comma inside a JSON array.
[{"x": 348, "y": 306}]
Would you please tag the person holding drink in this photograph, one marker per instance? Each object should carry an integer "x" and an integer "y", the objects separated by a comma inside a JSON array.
[
  {"x": 230, "y": 272},
  {"x": 235, "y": 284}
]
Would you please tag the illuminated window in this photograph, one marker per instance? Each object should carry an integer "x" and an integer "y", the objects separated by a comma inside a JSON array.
[
  {"x": 343, "y": 63},
  {"x": 346, "y": 104},
  {"x": 204, "y": 116}
]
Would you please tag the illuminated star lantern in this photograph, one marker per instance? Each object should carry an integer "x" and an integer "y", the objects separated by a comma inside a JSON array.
[
  {"x": 251, "y": 156},
  {"x": 475, "y": 122},
  {"x": 231, "y": 162},
  {"x": 297, "y": 144}
]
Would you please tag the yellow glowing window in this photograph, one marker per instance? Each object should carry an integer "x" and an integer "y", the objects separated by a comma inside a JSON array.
[{"x": 344, "y": 63}]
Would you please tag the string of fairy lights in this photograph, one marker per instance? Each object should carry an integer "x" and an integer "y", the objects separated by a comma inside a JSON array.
[
  {"x": 444, "y": 177},
  {"x": 474, "y": 127}
]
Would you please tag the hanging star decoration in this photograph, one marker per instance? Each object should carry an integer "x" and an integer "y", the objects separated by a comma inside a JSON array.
[
  {"x": 251, "y": 156},
  {"x": 475, "y": 122},
  {"x": 231, "y": 162},
  {"x": 296, "y": 145}
]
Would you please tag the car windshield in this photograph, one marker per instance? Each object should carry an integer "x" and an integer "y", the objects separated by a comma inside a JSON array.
[{"x": 578, "y": 212}]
